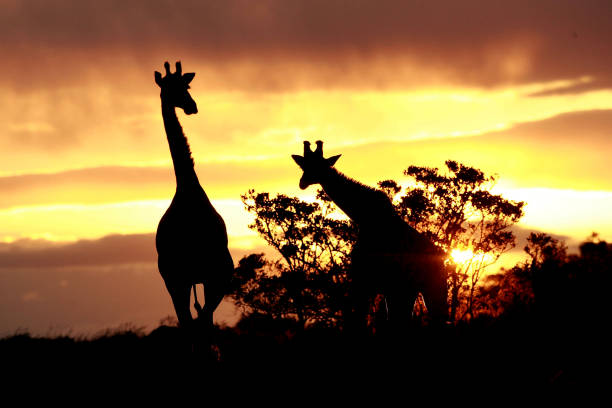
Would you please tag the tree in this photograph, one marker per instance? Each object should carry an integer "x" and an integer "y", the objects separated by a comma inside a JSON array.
[
  {"x": 514, "y": 290},
  {"x": 309, "y": 281},
  {"x": 565, "y": 289},
  {"x": 543, "y": 249},
  {"x": 458, "y": 212},
  {"x": 258, "y": 288}
]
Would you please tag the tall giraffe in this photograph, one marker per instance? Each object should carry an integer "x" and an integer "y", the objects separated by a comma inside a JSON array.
[
  {"x": 389, "y": 257},
  {"x": 191, "y": 236}
]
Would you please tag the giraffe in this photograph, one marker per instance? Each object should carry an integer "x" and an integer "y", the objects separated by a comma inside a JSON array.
[
  {"x": 389, "y": 257},
  {"x": 191, "y": 238}
]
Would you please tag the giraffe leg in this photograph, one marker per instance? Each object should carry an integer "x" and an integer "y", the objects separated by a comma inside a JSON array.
[
  {"x": 436, "y": 303},
  {"x": 357, "y": 306},
  {"x": 213, "y": 295},
  {"x": 204, "y": 329},
  {"x": 357, "y": 313},
  {"x": 435, "y": 293},
  {"x": 216, "y": 286},
  {"x": 400, "y": 303},
  {"x": 179, "y": 293},
  {"x": 180, "y": 299}
]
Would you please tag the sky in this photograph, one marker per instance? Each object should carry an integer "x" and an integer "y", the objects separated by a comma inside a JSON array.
[{"x": 519, "y": 89}]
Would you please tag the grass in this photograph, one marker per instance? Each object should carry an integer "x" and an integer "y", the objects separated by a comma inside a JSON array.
[{"x": 477, "y": 357}]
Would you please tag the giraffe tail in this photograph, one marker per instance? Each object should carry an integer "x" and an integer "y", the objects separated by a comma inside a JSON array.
[{"x": 196, "y": 303}]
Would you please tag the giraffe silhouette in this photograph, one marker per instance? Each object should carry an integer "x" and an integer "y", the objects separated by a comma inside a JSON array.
[
  {"x": 389, "y": 257},
  {"x": 191, "y": 236}
]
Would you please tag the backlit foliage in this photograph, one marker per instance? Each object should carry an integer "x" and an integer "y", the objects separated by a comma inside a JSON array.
[
  {"x": 456, "y": 210},
  {"x": 309, "y": 280}
]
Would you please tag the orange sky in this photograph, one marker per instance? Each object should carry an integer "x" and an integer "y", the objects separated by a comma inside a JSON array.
[{"x": 522, "y": 90}]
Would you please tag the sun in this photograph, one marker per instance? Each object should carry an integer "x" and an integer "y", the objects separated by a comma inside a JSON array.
[
  {"x": 470, "y": 259},
  {"x": 461, "y": 256}
]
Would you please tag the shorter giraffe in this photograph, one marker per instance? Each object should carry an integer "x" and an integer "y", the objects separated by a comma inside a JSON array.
[{"x": 389, "y": 257}]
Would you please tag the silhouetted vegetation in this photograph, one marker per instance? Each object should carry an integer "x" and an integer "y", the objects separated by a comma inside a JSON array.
[
  {"x": 309, "y": 282},
  {"x": 455, "y": 210},
  {"x": 554, "y": 287}
]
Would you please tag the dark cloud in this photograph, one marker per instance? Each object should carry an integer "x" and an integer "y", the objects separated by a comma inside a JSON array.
[
  {"x": 522, "y": 233},
  {"x": 110, "y": 250},
  {"x": 575, "y": 88},
  {"x": 83, "y": 287},
  {"x": 55, "y": 300},
  {"x": 83, "y": 300},
  {"x": 579, "y": 129},
  {"x": 277, "y": 44}
]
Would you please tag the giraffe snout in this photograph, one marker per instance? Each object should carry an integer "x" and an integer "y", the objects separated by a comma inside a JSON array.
[{"x": 191, "y": 109}]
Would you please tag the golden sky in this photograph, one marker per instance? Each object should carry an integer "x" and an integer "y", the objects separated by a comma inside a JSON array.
[{"x": 520, "y": 89}]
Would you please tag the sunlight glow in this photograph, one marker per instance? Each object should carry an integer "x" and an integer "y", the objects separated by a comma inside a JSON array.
[
  {"x": 74, "y": 221},
  {"x": 461, "y": 256},
  {"x": 563, "y": 211},
  {"x": 468, "y": 258}
]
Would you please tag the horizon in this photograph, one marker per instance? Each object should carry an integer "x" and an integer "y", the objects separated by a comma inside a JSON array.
[{"x": 522, "y": 91}]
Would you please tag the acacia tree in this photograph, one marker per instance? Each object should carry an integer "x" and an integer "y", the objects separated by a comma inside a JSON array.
[
  {"x": 458, "y": 212},
  {"x": 309, "y": 281}
]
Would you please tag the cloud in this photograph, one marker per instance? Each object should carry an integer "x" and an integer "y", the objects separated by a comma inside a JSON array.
[
  {"x": 86, "y": 186},
  {"x": 112, "y": 184},
  {"x": 576, "y": 88},
  {"x": 517, "y": 255},
  {"x": 83, "y": 300},
  {"x": 279, "y": 45},
  {"x": 86, "y": 286},
  {"x": 109, "y": 250},
  {"x": 567, "y": 151},
  {"x": 522, "y": 233}
]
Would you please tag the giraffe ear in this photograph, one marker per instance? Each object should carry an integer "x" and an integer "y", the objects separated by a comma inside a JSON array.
[
  {"x": 332, "y": 160},
  {"x": 188, "y": 77},
  {"x": 299, "y": 160},
  {"x": 158, "y": 78}
]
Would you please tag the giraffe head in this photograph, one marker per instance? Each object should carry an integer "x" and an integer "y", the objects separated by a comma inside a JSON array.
[
  {"x": 175, "y": 88},
  {"x": 314, "y": 165}
]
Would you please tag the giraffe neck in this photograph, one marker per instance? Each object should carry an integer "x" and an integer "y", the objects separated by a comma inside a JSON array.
[
  {"x": 179, "y": 148},
  {"x": 361, "y": 203}
]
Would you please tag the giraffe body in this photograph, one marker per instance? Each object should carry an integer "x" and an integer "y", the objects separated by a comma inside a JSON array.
[
  {"x": 389, "y": 257},
  {"x": 192, "y": 248},
  {"x": 191, "y": 237}
]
